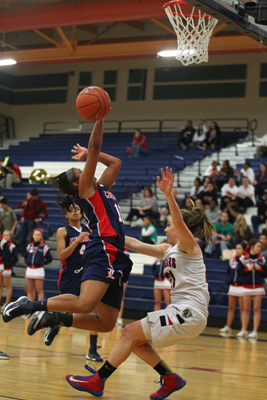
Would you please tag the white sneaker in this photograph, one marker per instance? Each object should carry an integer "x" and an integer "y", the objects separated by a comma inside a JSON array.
[
  {"x": 226, "y": 329},
  {"x": 119, "y": 322},
  {"x": 242, "y": 334},
  {"x": 253, "y": 335}
]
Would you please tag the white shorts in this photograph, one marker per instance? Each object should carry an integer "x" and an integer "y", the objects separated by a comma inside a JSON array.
[
  {"x": 165, "y": 284},
  {"x": 1, "y": 268},
  {"x": 7, "y": 272},
  {"x": 35, "y": 273},
  {"x": 259, "y": 291},
  {"x": 236, "y": 291},
  {"x": 172, "y": 325}
]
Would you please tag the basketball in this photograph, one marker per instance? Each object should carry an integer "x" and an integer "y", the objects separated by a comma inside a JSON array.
[{"x": 93, "y": 103}]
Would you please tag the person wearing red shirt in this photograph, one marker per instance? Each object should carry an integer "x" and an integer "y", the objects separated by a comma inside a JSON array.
[
  {"x": 139, "y": 144},
  {"x": 31, "y": 215},
  {"x": 12, "y": 174}
]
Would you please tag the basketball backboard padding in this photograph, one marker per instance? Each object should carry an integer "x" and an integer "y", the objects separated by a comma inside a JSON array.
[{"x": 229, "y": 15}]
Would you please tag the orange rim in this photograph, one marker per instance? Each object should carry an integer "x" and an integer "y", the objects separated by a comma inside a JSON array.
[{"x": 186, "y": 9}]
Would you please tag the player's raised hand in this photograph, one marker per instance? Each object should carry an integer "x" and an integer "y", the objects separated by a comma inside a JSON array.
[
  {"x": 166, "y": 181},
  {"x": 80, "y": 152}
]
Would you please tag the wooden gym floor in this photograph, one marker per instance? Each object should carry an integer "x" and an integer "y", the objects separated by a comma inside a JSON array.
[{"x": 215, "y": 368}]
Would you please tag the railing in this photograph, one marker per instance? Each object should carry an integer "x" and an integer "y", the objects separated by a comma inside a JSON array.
[
  {"x": 177, "y": 167},
  {"x": 199, "y": 158},
  {"x": 7, "y": 127},
  {"x": 152, "y": 177},
  {"x": 129, "y": 190}
]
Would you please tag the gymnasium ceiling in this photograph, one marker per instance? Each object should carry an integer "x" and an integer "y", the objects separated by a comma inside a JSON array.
[{"x": 47, "y": 31}]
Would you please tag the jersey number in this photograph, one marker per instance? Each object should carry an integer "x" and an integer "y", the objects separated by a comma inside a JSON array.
[
  {"x": 82, "y": 249},
  {"x": 119, "y": 212}
]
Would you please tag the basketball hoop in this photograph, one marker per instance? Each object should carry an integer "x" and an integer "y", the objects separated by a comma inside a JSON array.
[{"x": 193, "y": 28}]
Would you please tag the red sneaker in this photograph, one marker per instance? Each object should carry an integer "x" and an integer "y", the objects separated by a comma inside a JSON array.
[
  {"x": 169, "y": 384},
  {"x": 91, "y": 384}
]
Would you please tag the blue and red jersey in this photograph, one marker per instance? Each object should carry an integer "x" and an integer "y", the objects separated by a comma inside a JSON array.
[
  {"x": 10, "y": 257},
  {"x": 254, "y": 278},
  {"x": 234, "y": 275},
  {"x": 38, "y": 254},
  {"x": 74, "y": 261}
]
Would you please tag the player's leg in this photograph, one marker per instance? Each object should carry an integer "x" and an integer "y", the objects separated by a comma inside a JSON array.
[
  {"x": 167, "y": 296},
  {"x": 1, "y": 286}
]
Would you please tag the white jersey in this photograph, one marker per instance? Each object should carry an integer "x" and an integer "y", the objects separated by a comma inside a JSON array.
[{"x": 187, "y": 274}]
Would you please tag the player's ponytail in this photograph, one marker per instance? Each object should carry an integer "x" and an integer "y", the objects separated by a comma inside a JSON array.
[{"x": 64, "y": 182}]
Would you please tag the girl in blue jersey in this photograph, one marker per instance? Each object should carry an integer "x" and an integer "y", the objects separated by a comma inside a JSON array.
[
  {"x": 10, "y": 258},
  {"x": 106, "y": 266}
]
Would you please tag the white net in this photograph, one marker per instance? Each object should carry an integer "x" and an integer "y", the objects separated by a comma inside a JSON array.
[{"x": 193, "y": 33}]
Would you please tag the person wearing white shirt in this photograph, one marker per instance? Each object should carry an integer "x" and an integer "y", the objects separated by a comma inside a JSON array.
[
  {"x": 248, "y": 172},
  {"x": 246, "y": 194},
  {"x": 228, "y": 192}
]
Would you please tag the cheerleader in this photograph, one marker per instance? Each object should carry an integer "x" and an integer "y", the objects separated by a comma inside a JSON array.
[
  {"x": 37, "y": 255},
  {"x": 10, "y": 258}
]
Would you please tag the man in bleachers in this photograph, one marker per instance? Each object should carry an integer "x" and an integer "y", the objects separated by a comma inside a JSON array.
[
  {"x": 9, "y": 221},
  {"x": 223, "y": 235},
  {"x": 262, "y": 213},
  {"x": 246, "y": 195},
  {"x": 225, "y": 173},
  {"x": 213, "y": 212},
  {"x": 11, "y": 173},
  {"x": 263, "y": 242},
  {"x": 228, "y": 192}
]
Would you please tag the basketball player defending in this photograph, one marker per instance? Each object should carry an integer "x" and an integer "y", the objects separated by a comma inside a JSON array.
[{"x": 184, "y": 318}]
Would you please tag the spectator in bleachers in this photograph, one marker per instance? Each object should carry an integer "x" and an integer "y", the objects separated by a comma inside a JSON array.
[
  {"x": 30, "y": 216},
  {"x": 225, "y": 173},
  {"x": 222, "y": 237},
  {"x": 235, "y": 289},
  {"x": 148, "y": 205},
  {"x": 199, "y": 135},
  {"x": 21, "y": 206},
  {"x": 248, "y": 172},
  {"x": 162, "y": 286},
  {"x": 139, "y": 144},
  {"x": 213, "y": 136},
  {"x": 186, "y": 135},
  {"x": 228, "y": 192},
  {"x": 9, "y": 221},
  {"x": 254, "y": 271},
  {"x": 232, "y": 210},
  {"x": 242, "y": 232},
  {"x": 246, "y": 195},
  {"x": 11, "y": 173},
  {"x": 213, "y": 212},
  {"x": 260, "y": 182},
  {"x": 187, "y": 204},
  {"x": 165, "y": 211},
  {"x": 256, "y": 220},
  {"x": 212, "y": 171},
  {"x": 198, "y": 203},
  {"x": 149, "y": 231},
  {"x": 196, "y": 189},
  {"x": 262, "y": 149},
  {"x": 263, "y": 242},
  {"x": 209, "y": 193}
]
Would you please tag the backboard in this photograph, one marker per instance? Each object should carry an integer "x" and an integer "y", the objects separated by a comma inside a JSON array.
[{"x": 235, "y": 16}]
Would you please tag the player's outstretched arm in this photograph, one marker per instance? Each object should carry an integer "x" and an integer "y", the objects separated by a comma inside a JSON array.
[{"x": 153, "y": 250}]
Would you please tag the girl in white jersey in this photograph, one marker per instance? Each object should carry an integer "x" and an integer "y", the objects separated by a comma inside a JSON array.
[{"x": 184, "y": 318}]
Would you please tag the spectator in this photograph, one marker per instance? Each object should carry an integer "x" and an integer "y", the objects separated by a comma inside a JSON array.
[
  {"x": 232, "y": 210},
  {"x": 263, "y": 242},
  {"x": 147, "y": 206},
  {"x": 21, "y": 206},
  {"x": 223, "y": 235},
  {"x": 200, "y": 135},
  {"x": 139, "y": 144},
  {"x": 196, "y": 189},
  {"x": 31, "y": 215},
  {"x": 11, "y": 174},
  {"x": 235, "y": 289},
  {"x": 213, "y": 212},
  {"x": 10, "y": 258},
  {"x": 246, "y": 195},
  {"x": 228, "y": 192},
  {"x": 248, "y": 172},
  {"x": 262, "y": 149},
  {"x": 165, "y": 211},
  {"x": 225, "y": 173},
  {"x": 198, "y": 203},
  {"x": 9, "y": 221},
  {"x": 162, "y": 286},
  {"x": 37, "y": 255},
  {"x": 187, "y": 204},
  {"x": 260, "y": 182},
  {"x": 208, "y": 194},
  {"x": 254, "y": 271},
  {"x": 149, "y": 231},
  {"x": 256, "y": 220},
  {"x": 186, "y": 135},
  {"x": 242, "y": 232},
  {"x": 213, "y": 136},
  {"x": 213, "y": 171}
]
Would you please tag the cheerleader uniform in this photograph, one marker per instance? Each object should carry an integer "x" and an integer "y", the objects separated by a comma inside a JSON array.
[
  {"x": 253, "y": 280},
  {"x": 4, "y": 247},
  {"x": 10, "y": 258},
  {"x": 160, "y": 281},
  {"x": 186, "y": 316},
  {"x": 235, "y": 278},
  {"x": 71, "y": 269},
  {"x": 38, "y": 254}
]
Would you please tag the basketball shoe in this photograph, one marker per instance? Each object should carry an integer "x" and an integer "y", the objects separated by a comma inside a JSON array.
[
  {"x": 94, "y": 356},
  {"x": 22, "y": 306},
  {"x": 91, "y": 384},
  {"x": 43, "y": 319},
  {"x": 50, "y": 335},
  {"x": 169, "y": 384},
  {"x": 4, "y": 356}
]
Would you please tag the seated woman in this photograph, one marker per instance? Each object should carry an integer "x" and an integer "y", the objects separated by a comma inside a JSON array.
[
  {"x": 213, "y": 136},
  {"x": 200, "y": 135},
  {"x": 149, "y": 231},
  {"x": 208, "y": 194},
  {"x": 139, "y": 144},
  {"x": 186, "y": 135},
  {"x": 147, "y": 206},
  {"x": 242, "y": 232},
  {"x": 260, "y": 181},
  {"x": 196, "y": 189},
  {"x": 248, "y": 172}
]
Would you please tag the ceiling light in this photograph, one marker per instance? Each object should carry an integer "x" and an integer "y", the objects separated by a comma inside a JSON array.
[
  {"x": 7, "y": 61},
  {"x": 167, "y": 53}
]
